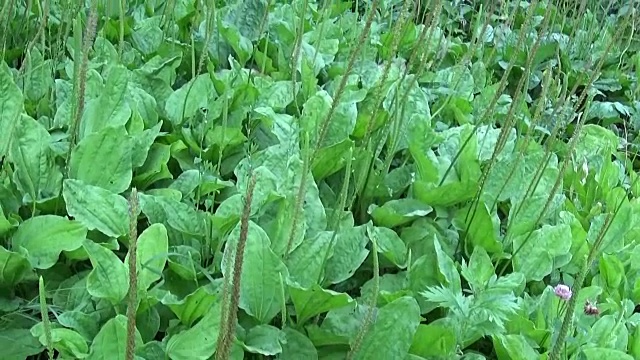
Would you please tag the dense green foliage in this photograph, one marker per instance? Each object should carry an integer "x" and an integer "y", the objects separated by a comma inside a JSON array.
[{"x": 380, "y": 179}]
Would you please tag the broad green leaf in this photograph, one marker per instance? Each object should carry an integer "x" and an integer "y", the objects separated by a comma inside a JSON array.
[
  {"x": 247, "y": 17},
  {"x": 331, "y": 159},
  {"x": 276, "y": 95},
  {"x": 174, "y": 214},
  {"x": 420, "y": 143},
  {"x": 314, "y": 113},
  {"x": 97, "y": 208},
  {"x": 186, "y": 101},
  {"x": 147, "y": 36},
  {"x": 398, "y": 212},
  {"x": 595, "y": 139},
  {"x": 110, "y": 108},
  {"x": 391, "y": 336},
  {"x": 14, "y": 267},
  {"x": 110, "y": 343},
  {"x": 36, "y": 174},
  {"x": 263, "y": 273},
  {"x": 608, "y": 333},
  {"x": 265, "y": 340},
  {"x": 152, "y": 251},
  {"x": 414, "y": 98},
  {"x": 148, "y": 320},
  {"x": 620, "y": 225},
  {"x": 424, "y": 273},
  {"x": 18, "y": 344},
  {"x": 390, "y": 287},
  {"x": 447, "y": 267},
  {"x": 66, "y": 341},
  {"x": 526, "y": 208},
  {"x": 11, "y": 106},
  {"x": 155, "y": 166},
  {"x": 634, "y": 343},
  {"x": 109, "y": 278},
  {"x": 38, "y": 79},
  {"x": 479, "y": 270},
  {"x": 199, "y": 341},
  {"x": 315, "y": 300},
  {"x": 297, "y": 346},
  {"x": 600, "y": 353},
  {"x": 612, "y": 271},
  {"x": 341, "y": 325},
  {"x": 141, "y": 144},
  {"x": 193, "y": 306},
  {"x": 143, "y": 106},
  {"x": 445, "y": 195},
  {"x": 434, "y": 339},
  {"x": 389, "y": 244},
  {"x": 72, "y": 294},
  {"x": 240, "y": 44},
  {"x": 287, "y": 168},
  {"x": 86, "y": 325},
  {"x": 6, "y": 224},
  {"x": 536, "y": 258},
  {"x": 349, "y": 253},
  {"x": 513, "y": 347},
  {"x": 306, "y": 263},
  {"x": 44, "y": 237},
  {"x": 103, "y": 159},
  {"x": 483, "y": 227},
  {"x": 185, "y": 261}
]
